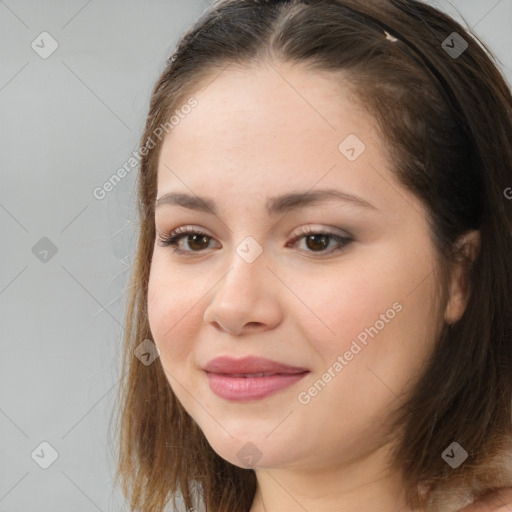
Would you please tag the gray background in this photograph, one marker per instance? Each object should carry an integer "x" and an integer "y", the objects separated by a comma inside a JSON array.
[{"x": 67, "y": 123}]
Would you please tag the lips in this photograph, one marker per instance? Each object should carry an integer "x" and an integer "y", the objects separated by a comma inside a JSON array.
[{"x": 250, "y": 367}]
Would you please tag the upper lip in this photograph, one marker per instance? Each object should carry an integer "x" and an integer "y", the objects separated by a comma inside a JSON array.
[{"x": 249, "y": 365}]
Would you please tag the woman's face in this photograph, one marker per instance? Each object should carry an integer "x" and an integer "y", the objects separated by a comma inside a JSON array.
[{"x": 359, "y": 316}]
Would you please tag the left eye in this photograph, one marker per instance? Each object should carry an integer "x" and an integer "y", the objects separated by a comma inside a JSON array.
[
  {"x": 199, "y": 241},
  {"x": 319, "y": 241}
]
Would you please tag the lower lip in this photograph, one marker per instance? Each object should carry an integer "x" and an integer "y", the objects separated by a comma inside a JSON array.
[{"x": 251, "y": 388}]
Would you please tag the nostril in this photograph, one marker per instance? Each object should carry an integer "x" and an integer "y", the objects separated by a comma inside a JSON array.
[
  {"x": 230, "y": 330},
  {"x": 218, "y": 324},
  {"x": 248, "y": 325},
  {"x": 254, "y": 324}
]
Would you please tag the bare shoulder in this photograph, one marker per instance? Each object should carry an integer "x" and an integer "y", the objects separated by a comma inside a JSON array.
[{"x": 496, "y": 501}]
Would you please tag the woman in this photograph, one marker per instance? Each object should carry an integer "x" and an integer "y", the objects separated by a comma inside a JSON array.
[{"x": 320, "y": 304}]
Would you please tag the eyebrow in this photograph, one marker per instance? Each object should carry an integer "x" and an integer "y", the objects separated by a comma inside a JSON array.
[{"x": 274, "y": 206}]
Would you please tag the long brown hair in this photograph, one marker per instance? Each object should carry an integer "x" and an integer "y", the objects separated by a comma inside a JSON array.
[{"x": 447, "y": 121}]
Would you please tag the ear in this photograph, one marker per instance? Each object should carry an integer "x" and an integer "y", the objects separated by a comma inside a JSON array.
[{"x": 468, "y": 247}]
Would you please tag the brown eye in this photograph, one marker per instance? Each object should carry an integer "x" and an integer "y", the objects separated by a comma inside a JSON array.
[
  {"x": 320, "y": 242},
  {"x": 198, "y": 242},
  {"x": 317, "y": 242},
  {"x": 194, "y": 241}
]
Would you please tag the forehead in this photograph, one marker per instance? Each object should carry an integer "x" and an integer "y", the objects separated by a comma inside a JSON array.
[
  {"x": 266, "y": 107},
  {"x": 238, "y": 103},
  {"x": 268, "y": 130}
]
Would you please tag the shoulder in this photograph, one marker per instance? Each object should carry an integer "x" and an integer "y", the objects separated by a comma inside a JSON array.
[{"x": 492, "y": 474}]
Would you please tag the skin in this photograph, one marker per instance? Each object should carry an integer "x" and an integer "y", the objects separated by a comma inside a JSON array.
[
  {"x": 261, "y": 132},
  {"x": 499, "y": 501}
]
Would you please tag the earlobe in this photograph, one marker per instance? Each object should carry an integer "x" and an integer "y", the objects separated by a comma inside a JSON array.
[{"x": 468, "y": 247}]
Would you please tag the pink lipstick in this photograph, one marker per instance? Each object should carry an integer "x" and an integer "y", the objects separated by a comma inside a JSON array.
[{"x": 250, "y": 378}]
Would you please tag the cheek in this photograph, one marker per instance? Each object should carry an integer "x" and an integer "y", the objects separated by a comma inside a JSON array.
[
  {"x": 336, "y": 304},
  {"x": 173, "y": 312},
  {"x": 382, "y": 302}
]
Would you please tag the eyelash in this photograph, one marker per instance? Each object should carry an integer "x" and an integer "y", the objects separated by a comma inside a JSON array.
[{"x": 173, "y": 239}]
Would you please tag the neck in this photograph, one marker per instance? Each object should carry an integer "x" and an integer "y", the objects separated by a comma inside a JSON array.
[{"x": 361, "y": 486}]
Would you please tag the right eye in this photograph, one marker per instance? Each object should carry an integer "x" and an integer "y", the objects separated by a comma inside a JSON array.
[{"x": 196, "y": 240}]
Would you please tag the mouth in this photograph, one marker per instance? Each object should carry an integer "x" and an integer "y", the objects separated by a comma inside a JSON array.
[
  {"x": 251, "y": 387},
  {"x": 250, "y": 366},
  {"x": 250, "y": 375},
  {"x": 250, "y": 378}
]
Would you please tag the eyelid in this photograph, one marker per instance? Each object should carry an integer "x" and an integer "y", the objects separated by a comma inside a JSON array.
[
  {"x": 313, "y": 229},
  {"x": 303, "y": 230},
  {"x": 180, "y": 233},
  {"x": 342, "y": 239}
]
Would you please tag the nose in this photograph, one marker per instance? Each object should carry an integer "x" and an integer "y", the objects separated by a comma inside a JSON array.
[{"x": 246, "y": 299}]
